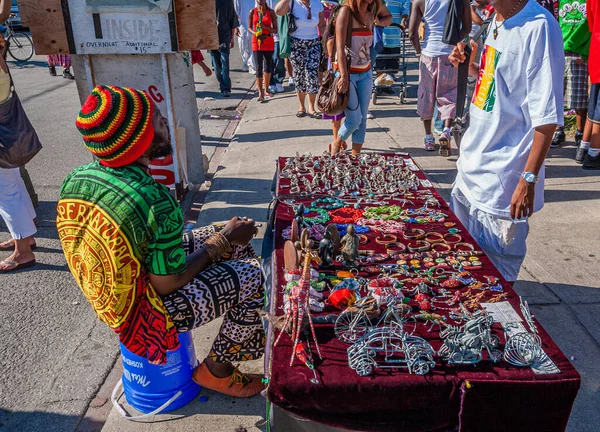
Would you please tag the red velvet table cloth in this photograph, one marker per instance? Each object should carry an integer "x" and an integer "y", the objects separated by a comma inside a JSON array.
[{"x": 483, "y": 397}]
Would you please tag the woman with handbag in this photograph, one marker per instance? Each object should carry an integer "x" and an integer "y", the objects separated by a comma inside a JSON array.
[
  {"x": 306, "y": 18},
  {"x": 262, "y": 23},
  {"x": 15, "y": 204},
  {"x": 355, "y": 19}
]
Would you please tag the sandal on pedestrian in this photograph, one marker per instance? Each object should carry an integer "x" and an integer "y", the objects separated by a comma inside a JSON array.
[
  {"x": 316, "y": 115},
  {"x": 237, "y": 384},
  {"x": 268, "y": 95},
  {"x": 10, "y": 245},
  {"x": 260, "y": 99},
  {"x": 14, "y": 266},
  {"x": 301, "y": 114}
]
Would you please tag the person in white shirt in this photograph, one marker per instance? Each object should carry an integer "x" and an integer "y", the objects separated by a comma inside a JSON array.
[
  {"x": 244, "y": 36},
  {"x": 438, "y": 80},
  {"x": 517, "y": 104}
]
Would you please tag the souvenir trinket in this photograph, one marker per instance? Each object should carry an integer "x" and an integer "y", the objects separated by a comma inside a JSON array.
[{"x": 350, "y": 243}]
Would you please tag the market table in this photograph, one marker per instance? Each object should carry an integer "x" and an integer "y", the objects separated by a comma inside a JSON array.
[{"x": 485, "y": 396}]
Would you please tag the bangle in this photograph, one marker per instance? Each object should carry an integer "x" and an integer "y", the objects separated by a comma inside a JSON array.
[
  {"x": 366, "y": 252},
  {"x": 456, "y": 238},
  {"x": 469, "y": 246},
  {"x": 380, "y": 241},
  {"x": 363, "y": 239},
  {"x": 419, "y": 246},
  {"x": 414, "y": 234},
  {"x": 441, "y": 247},
  {"x": 434, "y": 237},
  {"x": 216, "y": 246},
  {"x": 395, "y": 248}
]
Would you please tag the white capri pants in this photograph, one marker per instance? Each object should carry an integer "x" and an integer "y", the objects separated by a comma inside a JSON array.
[
  {"x": 503, "y": 240},
  {"x": 15, "y": 205}
]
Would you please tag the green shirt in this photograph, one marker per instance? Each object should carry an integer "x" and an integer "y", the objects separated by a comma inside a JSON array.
[
  {"x": 572, "y": 18},
  {"x": 116, "y": 225}
]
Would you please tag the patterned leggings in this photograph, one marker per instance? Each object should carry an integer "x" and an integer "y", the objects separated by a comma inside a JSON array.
[
  {"x": 305, "y": 58},
  {"x": 231, "y": 288}
]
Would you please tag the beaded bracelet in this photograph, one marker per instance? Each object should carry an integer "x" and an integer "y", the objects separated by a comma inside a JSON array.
[
  {"x": 322, "y": 218},
  {"x": 345, "y": 215},
  {"x": 383, "y": 212}
]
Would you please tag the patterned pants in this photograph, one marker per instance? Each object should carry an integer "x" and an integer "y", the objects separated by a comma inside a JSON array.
[
  {"x": 437, "y": 84},
  {"x": 63, "y": 60},
  {"x": 576, "y": 82},
  {"x": 305, "y": 58},
  {"x": 231, "y": 288}
]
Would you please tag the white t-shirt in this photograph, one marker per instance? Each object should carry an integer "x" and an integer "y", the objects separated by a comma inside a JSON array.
[
  {"x": 520, "y": 87},
  {"x": 307, "y": 29},
  {"x": 434, "y": 16}
]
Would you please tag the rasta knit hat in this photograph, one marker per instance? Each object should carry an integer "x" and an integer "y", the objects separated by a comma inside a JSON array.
[{"x": 116, "y": 124}]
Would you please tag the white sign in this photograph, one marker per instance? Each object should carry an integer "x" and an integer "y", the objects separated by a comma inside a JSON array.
[{"x": 122, "y": 32}]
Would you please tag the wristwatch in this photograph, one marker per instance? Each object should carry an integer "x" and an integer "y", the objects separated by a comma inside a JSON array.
[{"x": 530, "y": 177}]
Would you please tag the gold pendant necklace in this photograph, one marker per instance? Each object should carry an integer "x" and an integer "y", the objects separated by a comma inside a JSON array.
[{"x": 496, "y": 26}]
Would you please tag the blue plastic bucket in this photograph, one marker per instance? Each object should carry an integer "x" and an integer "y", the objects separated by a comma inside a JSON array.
[{"x": 147, "y": 386}]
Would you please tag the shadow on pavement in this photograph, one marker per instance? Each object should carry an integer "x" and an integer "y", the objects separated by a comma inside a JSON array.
[{"x": 28, "y": 421}]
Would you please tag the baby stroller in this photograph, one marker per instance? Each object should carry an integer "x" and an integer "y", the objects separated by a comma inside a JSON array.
[{"x": 391, "y": 63}]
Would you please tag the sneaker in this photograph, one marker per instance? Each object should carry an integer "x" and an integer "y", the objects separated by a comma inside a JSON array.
[
  {"x": 558, "y": 138},
  {"x": 279, "y": 88},
  {"x": 272, "y": 89},
  {"x": 578, "y": 137},
  {"x": 251, "y": 71},
  {"x": 580, "y": 155},
  {"x": 291, "y": 81},
  {"x": 52, "y": 70},
  {"x": 445, "y": 149},
  {"x": 429, "y": 143},
  {"x": 68, "y": 75},
  {"x": 237, "y": 385},
  {"x": 244, "y": 68},
  {"x": 370, "y": 115},
  {"x": 591, "y": 163},
  {"x": 226, "y": 94}
]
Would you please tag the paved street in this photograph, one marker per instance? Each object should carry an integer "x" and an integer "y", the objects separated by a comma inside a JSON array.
[{"x": 56, "y": 354}]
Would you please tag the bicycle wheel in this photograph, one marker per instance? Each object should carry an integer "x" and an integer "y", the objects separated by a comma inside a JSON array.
[{"x": 20, "y": 46}]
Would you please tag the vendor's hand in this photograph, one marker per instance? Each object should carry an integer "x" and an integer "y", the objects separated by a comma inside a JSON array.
[
  {"x": 343, "y": 83},
  {"x": 580, "y": 61},
  {"x": 240, "y": 231},
  {"x": 521, "y": 205},
  {"x": 231, "y": 43}
]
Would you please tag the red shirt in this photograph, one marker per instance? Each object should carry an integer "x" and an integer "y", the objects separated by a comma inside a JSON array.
[
  {"x": 268, "y": 43},
  {"x": 593, "y": 16}
]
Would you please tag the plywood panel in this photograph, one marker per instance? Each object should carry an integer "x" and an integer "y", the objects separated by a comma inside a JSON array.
[
  {"x": 196, "y": 24},
  {"x": 45, "y": 19}
]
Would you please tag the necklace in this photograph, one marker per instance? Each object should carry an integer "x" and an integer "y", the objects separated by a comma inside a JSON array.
[{"x": 496, "y": 26}]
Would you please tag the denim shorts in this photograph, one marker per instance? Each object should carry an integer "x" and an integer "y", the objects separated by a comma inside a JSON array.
[{"x": 594, "y": 104}]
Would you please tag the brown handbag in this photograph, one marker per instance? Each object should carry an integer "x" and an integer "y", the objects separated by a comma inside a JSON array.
[{"x": 329, "y": 100}]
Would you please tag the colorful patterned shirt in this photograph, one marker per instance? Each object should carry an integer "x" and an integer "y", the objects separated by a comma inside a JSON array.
[
  {"x": 572, "y": 17},
  {"x": 116, "y": 225}
]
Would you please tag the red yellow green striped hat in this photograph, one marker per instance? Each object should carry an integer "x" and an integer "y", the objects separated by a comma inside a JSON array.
[{"x": 116, "y": 124}]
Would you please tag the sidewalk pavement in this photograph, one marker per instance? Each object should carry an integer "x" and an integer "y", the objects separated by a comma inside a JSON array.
[{"x": 559, "y": 277}]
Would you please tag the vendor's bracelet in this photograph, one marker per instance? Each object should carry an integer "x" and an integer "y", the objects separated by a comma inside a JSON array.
[
  {"x": 216, "y": 246},
  {"x": 413, "y": 234},
  {"x": 434, "y": 237},
  {"x": 469, "y": 246},
  {"x": 395, "y": 248},
  {"x": 441, "y": 247},
  {"x": 451, "y": 238},
  {"x": 381, "y": 241},
  {"x": 419, "y": 246}
]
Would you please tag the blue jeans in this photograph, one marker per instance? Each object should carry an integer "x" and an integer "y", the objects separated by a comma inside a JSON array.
[
  {"x": 355, "y": 124},
  {"x": 220, "y": 62},
  {"x": 278, "y": 67}
]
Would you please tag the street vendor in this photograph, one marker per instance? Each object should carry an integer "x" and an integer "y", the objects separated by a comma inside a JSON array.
[
  {"x": 517, "y": 104},
  {"x": 122, "y": 236}
]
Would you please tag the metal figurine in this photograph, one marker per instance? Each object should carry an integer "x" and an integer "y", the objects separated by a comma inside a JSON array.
[
  {"x": 299, "y": 299},
  {"x": 335, "y": 238},
  {"x": 464, "y": 344},
  {"x": 398, "y": 349},
  {"x": 326, "y": 250},
  {"x": 433, "y": 318},
  {"x": 350, "y": 243}
]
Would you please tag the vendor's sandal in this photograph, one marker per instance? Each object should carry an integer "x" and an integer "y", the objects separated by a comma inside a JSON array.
[
  {"x": 14, "y": 266},
  {"x": 237, "y": 385},
  {"x": 10, "y": 245},
  {"x": 301, "y": 114}
]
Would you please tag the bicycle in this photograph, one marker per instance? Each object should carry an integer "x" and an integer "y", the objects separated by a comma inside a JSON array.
[{"x": 20, "y": 45}]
